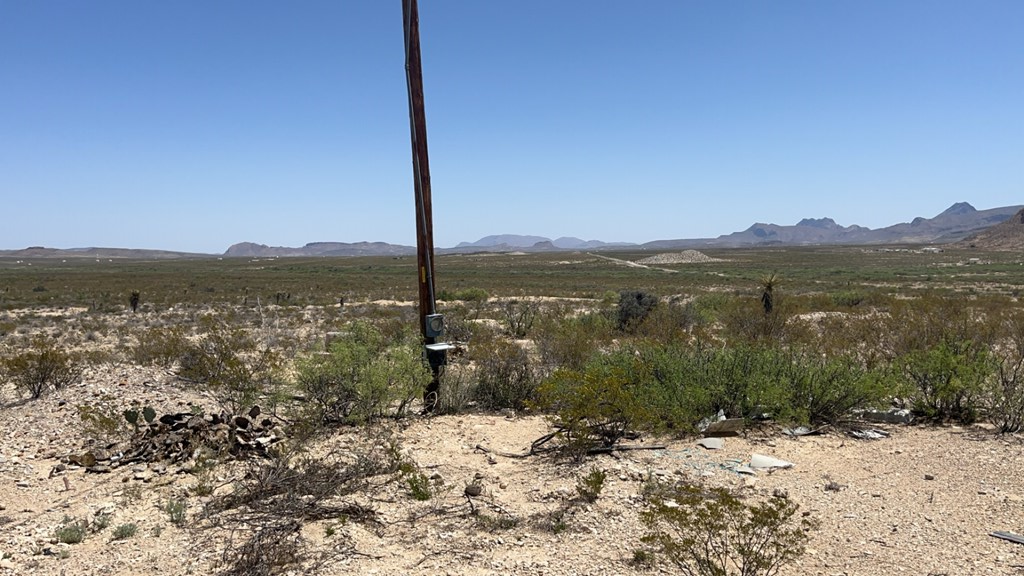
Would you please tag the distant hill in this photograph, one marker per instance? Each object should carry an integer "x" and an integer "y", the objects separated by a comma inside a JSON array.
[
  {"x": 104, "y": 253},
  {"x": 252, "y": 250},
  {"x": 1007, "y": 235},
  {"x": 511, "y": 240}
]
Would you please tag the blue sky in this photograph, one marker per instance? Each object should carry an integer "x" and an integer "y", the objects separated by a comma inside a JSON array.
[{"x": 194, "y": 125}]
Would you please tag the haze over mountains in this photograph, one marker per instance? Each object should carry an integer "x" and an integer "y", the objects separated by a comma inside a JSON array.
[{"x": 955, "y": 224}]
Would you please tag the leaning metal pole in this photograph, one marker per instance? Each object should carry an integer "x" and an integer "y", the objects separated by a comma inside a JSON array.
[{"x": 421, "y": 182}]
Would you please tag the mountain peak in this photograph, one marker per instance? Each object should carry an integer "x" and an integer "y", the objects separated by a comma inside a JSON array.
[
  {"x": 818, "y": 222},
  {"x": 958, "y": 209}
]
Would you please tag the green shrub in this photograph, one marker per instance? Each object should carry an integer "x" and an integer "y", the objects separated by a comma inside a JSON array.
[
  {"x": 160, "y": 346},
  {"x": 571, "y": 341},
  {"x": 456, "y": 388},
  {"x": 464, "y": 294},
  {"x": 670, "y": 323},
  {"x": 232, "y": 362},
  {"x": 71, "y": 531},
  {"x": 712, "y": 532},
  {"x": 363, "y": 377},
  {"x": 745, "y": 321},
  {"x": 948, "y": 380},
  {"x": 743, "y": 381},
  {"x": 929, "y": 321},
  {"x": 848, "y": 298},
  {"x": 43, "y": 366},
  {"x": 506, "y": 377},
  {"x": 593, "y": 408},
  {"x": 457, "y": 324},
  {"x": 826, "y": 390},
  {"x": 519, "y": 316},
  {"x": 634, "y": 306},
  {"x": 669, "y": 380},
  {"x": 709, "y": 307},
  {"x": 671, "y": 387},
  {"x": 124, "y": 531},
  {"x": 1004, "y": 399}
]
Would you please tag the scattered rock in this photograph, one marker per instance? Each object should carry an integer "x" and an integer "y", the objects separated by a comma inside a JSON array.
[
  {"x": 762, "y": 462},
  {"x": 891, "y": 416},
  {"x": 711, "y": 443},
  {"x": 724, "y": 428}
]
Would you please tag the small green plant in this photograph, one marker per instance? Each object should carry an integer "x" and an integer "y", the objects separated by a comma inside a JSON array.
[
  {"x": 132, "y": 493},
  {"x": 712, "y": 532},
  {"x": 101, "y": 522},
  {"x": 124, "y": 531},
  {"x": 847, "y": 298},
  {"x": 642, "y": 558},
  {"x": 101, "y": 422},
  {"x": 132, "y": 416},
  {"x": 204, "y": 483},
  {"x": 175, "y": 510},
  {"x": 496, "y": 523},
  {"x": 559, "y": 523},
  {"x": 71, "y": 531},
  {"x": 768, "y": 283},
  {"x": 419, "y": 485},
  {"x": 589, "y": 486}
]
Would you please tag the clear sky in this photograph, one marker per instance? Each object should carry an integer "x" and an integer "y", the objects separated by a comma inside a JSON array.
[{"x": 193, "y": 125}]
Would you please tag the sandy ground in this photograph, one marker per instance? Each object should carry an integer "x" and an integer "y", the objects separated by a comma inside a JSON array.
[{"x": 922, "y": 501}]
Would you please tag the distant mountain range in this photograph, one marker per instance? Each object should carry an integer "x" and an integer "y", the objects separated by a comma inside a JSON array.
[
  {"x": 504, "y": 242},
  {"x": 953, "y": 226},
  {"x": 955, "y": 223}
]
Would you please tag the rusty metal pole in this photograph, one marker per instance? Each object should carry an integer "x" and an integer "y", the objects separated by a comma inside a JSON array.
[{"x": 421, "y": 181}]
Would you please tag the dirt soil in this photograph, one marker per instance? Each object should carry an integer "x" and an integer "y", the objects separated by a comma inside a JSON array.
[{"x": 922, "y": 501}]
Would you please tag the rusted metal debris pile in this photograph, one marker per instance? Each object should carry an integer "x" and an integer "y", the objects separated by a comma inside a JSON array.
[{"x": 175, "y": 438}]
